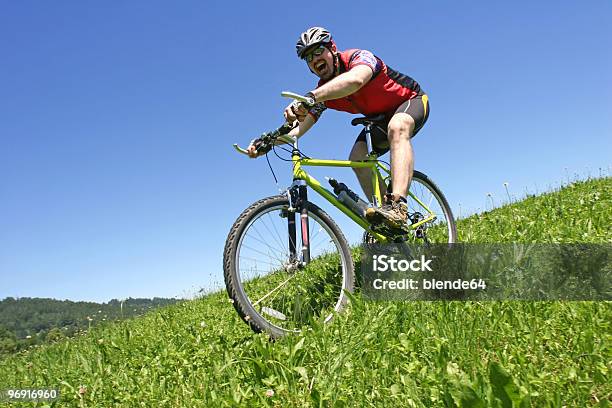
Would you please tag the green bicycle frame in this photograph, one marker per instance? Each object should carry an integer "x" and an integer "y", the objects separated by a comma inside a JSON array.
[
  {"x": 370, "y": 162},
  {"x": 373, "y": 164}
]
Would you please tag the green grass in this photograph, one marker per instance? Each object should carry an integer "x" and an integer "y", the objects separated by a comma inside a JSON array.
[
  {"x": 199, "y": 353},
  {"x": 581, "y": 212}
]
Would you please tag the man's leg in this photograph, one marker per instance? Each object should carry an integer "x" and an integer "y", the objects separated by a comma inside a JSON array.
[
  {"x": 360, "y": 152},
  {"x": 400, "y": 130},
  {"x": 394, "y": 212},
  {"x": 405, "y": 122}
]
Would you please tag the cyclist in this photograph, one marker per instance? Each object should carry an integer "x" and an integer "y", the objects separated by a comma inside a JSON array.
[{"x": 357, "y": 81}]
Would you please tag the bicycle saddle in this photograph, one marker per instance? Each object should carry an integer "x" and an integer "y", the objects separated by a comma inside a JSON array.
[{"x": 369, "y": 120}]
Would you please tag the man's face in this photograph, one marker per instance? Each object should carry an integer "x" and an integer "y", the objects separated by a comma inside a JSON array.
[{"x": 322, "y": 65}]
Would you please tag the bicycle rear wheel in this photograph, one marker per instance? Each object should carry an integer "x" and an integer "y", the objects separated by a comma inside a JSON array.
[
  {"x": 274, "y": 291},
  {"x": 427, "y": 202}
]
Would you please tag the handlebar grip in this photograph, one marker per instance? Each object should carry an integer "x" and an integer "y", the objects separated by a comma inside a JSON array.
[{"x": 240, "y": 149}]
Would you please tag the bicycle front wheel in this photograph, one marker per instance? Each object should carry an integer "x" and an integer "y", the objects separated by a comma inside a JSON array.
[{"x": 275, "y": 291}]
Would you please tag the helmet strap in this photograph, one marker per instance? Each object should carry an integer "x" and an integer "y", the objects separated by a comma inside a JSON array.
[
  {"x": 332, "y": 48},
  {"x": 336, "y": 67}
]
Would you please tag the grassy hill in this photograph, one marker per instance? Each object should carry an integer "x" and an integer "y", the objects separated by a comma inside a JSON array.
[{"x": 408, "y": 354}]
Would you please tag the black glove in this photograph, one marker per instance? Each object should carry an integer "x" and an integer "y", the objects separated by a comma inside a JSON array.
[{"x": 263, "y": 144}]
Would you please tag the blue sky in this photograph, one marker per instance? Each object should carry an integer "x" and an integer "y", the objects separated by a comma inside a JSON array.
[{"x": 117, "y": 176}]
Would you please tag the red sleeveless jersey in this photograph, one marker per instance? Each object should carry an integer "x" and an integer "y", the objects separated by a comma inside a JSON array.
[{"x": 384, "y": 92}]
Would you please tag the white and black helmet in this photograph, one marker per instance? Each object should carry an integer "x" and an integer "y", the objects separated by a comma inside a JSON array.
[{"x": 311, "y": 37}]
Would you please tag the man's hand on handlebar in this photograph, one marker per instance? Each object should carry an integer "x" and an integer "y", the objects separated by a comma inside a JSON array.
[
  {"x": 295, "y": 114},
  {"x": 260, "y": 146},
  {"x": 298, "y": 110},
  {"x": 295, "y": 111}
]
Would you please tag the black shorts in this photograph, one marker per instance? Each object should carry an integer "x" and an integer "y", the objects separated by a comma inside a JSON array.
[{"x": 417, "y": 108}]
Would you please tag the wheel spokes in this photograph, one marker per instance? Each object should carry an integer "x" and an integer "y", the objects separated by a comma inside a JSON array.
[{"x": 284, "y": 291}]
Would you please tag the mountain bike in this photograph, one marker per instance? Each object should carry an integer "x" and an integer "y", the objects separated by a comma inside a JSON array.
[{"x": 287, "y": 263}]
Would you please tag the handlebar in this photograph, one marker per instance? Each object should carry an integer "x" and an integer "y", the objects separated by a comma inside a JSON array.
[
  {"x": 281, "y": 132},
  {"x": 277, "y": 134},
  {"x": 282, "y": 138}
]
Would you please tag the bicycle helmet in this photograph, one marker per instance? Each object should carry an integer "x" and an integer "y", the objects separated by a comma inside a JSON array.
[{"x": 312, "y": 37}]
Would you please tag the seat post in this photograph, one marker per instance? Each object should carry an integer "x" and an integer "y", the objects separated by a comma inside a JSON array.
[{"x": 368, "y": 136}]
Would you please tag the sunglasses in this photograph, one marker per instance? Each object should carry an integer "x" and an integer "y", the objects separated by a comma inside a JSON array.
[{"x": 317, "y": 51}]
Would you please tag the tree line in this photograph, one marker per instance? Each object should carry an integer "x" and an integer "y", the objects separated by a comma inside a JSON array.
[{"x": 25, "y": 322}]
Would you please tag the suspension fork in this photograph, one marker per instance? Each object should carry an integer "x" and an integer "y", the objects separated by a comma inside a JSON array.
[
  {"x": 305, "y": 225},
  {"x": 299, "y": 199}
]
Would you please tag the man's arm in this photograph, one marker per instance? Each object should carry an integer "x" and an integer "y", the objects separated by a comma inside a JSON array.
[
  {"x": 344, "y": 84},
  {"x": 302, "y": 127},
  {"x": 298, "y": 132}
]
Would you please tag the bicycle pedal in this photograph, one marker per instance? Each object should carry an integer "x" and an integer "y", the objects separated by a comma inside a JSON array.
[
  {"x": 378, "y": 224},
  {"x": 389, "y": 231},
  {"x": 374, "y": 217}
]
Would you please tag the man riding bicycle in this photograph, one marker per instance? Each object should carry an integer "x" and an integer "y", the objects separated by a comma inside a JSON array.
[{"x": 356, "y": 81}]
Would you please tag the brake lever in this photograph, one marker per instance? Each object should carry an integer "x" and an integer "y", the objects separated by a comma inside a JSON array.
[{"x": 300, "y": 98}]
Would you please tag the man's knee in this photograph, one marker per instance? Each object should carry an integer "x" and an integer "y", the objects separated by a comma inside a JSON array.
[{"x": 401, "y": 125}]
